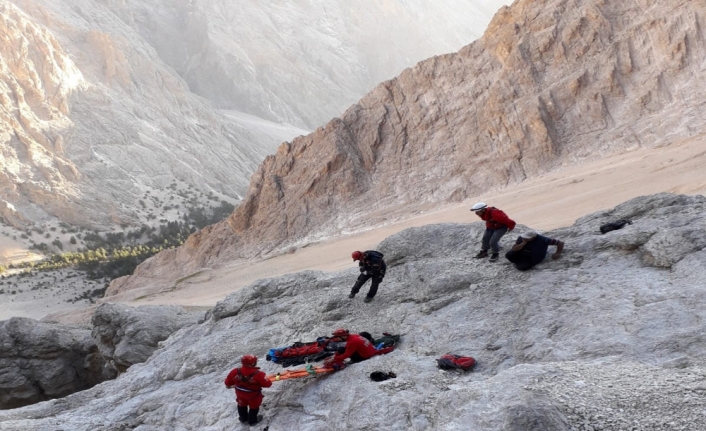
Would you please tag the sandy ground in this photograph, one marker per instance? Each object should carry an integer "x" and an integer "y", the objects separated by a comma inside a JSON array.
[
  {"x": 554, "y": 200},
  {"x": 551, "y": 201}
]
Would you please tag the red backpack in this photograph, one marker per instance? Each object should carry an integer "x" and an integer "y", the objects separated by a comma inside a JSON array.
[{"x": 455, "y": 362}]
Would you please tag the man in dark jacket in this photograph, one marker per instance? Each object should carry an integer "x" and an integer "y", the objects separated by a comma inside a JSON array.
[
  {"x": 358, "y": 348},
  {"x": 248, "y": 382},
  {"x": 531, "y": 248},
  {"x": 371, "y": 265},
  {"x": 497, "y": 223}
]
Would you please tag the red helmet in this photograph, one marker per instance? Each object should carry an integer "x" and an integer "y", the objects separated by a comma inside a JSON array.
[
  {"x": 357, "y": 255},
  {"x": 340, "y": 332},
  {"x": 249, "y": 360}
]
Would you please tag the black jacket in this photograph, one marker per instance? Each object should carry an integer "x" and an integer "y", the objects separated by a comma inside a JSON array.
[{"x": 373, "y": 263}]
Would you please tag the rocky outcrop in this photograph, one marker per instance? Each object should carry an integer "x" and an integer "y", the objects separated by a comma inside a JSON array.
[
  {"x": 127, "y": 335},
  {"x": 40, "y": 361},
  {"x": 601, "y": 338},
  {"x": 552, "y": 82}
]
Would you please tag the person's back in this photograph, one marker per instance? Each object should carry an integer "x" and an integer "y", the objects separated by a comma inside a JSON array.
[
  {"x": 359, "y": 347},
  {"x": 537, "y": 248},
  {"x": 247, "y": 379},
  {"x": 373, "y": 261},
  {"x": 495, "y": 218},
  {"x": 497, "y": 223},
  {"x": 248, "y": 382},
  {"x": 531, "y": 249},
  {"x": 371, "y": 265}
]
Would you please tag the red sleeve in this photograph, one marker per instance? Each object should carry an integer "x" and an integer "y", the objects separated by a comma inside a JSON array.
[
  {"x": 262, "y": 380},
  {"x": 352, "y": 346},
  {"x": 502, "y": 218},
  {"x": 229, "y": 380}
]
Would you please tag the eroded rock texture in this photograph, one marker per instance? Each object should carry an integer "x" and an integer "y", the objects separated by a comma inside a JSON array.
[
  {"x": 91, "y": 118},
  {"x": 128, "y": 335},
  {"x": 41, "y": 361},
  {"x": 602, "y": 338},
  {"x": 551, "y": 82}
]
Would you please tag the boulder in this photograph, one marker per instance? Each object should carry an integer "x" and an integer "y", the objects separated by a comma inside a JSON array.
[
  {"x": 41, "y": 361},
  {"x": 129, "y": 335}
]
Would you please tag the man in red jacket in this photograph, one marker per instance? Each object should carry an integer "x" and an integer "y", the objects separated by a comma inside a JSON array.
[
  {"x": 497, "y": 224},
  {"x": 248, "y": 382},
  {"x": 358, "y": 349}
]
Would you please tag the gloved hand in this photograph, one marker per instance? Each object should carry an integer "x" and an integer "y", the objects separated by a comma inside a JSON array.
[{"x": 332, "y": 363}]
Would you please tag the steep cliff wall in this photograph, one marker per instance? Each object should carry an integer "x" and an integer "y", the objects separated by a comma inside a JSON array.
[
  {"x": 299, "y": 61},
  {"x": 552, "y": 82},
  {"x": 91, "y": 118}
]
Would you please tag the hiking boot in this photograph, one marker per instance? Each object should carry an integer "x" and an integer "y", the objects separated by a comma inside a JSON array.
[
  {"x": 481, "y": 254},
  {"x": 367, "y": 299},
  {"x": 254, "y": 417},
  {"x": 351, "y": 296},
  {"x": 243, "y": 414},
  {"x": 494, "y": 257}
]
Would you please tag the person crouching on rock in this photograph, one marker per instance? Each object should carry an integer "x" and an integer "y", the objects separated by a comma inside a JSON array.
[
  {"x": 531, "y": 248},
  {"x": 248, "y": 382},
  {"x": 358, "y": 349},
  {"x": 497, "y": 223},
  {"x": 372, "y": 265}
]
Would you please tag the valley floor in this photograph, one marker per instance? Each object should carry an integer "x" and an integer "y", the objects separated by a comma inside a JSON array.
[{"x": 548, "y": 202}]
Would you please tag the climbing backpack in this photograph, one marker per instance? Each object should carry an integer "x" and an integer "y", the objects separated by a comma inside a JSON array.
[
  {"x": 455, "y": 362},
  {"x": 605, "y": 228},
  {"x": 374, "y": 260}
]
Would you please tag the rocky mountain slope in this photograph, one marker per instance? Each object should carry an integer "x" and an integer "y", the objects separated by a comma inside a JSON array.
[
  {"x": 608, "y": 337},
  {"x": 99, "y": 98},
  {"x": 91, "y": 119},
  {"x": 552, "y": 82},
  {"x": 299, "y": 62}
]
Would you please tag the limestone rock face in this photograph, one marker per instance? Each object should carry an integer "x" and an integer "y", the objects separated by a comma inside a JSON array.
[
  {"x": 299, "y": 62},
  {"x": 98, "y": 99},
  {"x": 41, "y": 361},
  {"x": 602, "y": 338},
  {"x": 91, "y": 118},
  {"x": 127, "y": 335},
  {"x": 551, "y": 82}
]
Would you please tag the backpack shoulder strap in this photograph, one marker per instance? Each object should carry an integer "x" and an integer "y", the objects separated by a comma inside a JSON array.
[{"x": 244, "y": 378}]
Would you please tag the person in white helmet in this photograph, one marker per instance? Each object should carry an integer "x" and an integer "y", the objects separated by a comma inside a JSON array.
[{"x": 497, "y": 224}]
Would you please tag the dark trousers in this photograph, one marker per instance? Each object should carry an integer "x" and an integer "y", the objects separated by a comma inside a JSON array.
[
  {"x": 491, "y": 238},
  {"x": 248, "y": 406},
  {"x": 355, "y": 358},
  {"x": 522, "y": 261},
  {"x": 362, "y": 278}
]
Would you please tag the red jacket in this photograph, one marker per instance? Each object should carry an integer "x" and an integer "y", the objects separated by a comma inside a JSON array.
[
  {"x": 495, "y": 219},
  {"x": 247, "y": 381},
  {"x": 364, "y": 348},
  {"x": 356, "y": 344}
]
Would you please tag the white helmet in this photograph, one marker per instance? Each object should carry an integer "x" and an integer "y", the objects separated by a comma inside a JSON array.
[{"x": 479, "y": 206}]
